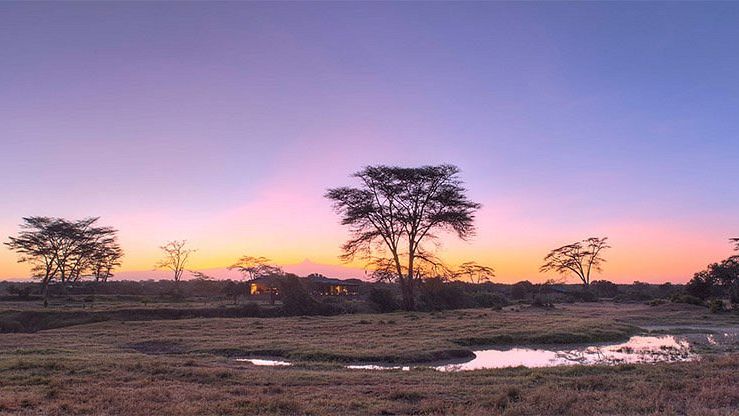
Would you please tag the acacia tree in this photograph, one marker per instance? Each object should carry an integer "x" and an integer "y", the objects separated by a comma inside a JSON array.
[
  {"x": 64, "y": 250},
  {"x": 475, "y": 273},
  {"x": 93, "y": 250},
  {"x": 579, "y": 258},
  {"x": 735, "y": 241},
  {"x": 105, "y": 259},
  {"x": 395, "y": 210},
  {"x": 253, "y": 267},
  {"x": 175, "y": 258}
]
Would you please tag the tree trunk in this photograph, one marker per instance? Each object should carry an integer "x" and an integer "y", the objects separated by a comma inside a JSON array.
[
  {"x": 46, "y": 295},
  {"x": 407, "y": 292},
  {"x": 411, "y": 296},
  {"x": 410, "y": 302}
]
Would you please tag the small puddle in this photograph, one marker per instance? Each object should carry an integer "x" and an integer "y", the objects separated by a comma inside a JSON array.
[
  {"x": 262, "y": 362},
  {"x": 638, "y": 349},
  {"x": 378, "y": 367}
]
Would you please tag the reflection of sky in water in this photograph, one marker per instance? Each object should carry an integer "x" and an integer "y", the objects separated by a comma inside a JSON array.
[
  {"x": 638, "y": 349},
  {"x": 258, "y": 361}
]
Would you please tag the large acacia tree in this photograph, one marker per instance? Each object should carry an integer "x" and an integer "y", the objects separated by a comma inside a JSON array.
[
  {"x": 395, "y": 210},
  {"x": 580, "y": 258},
  {"x": 66, "y": 250}
]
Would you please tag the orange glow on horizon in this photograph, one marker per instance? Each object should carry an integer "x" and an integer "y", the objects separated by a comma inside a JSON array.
[{"x": 290, "y": 225}]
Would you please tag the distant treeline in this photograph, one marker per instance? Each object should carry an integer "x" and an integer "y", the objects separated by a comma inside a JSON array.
[{"x": 230, "y": 289}]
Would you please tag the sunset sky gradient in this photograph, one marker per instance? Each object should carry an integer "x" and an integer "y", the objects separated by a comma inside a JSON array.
[{"x": 224, "y": 124}]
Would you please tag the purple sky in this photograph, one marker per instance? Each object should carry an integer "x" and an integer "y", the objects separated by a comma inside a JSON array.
[{"x": 223, "y": 123}]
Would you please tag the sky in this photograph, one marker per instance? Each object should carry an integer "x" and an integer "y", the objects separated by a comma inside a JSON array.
[{"x": 225, "y": 123}]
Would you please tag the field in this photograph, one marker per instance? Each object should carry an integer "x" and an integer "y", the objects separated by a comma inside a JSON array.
[{"x": 187, "y": 366}]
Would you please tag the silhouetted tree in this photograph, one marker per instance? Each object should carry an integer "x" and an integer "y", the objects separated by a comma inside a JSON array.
[
  {"x": 66, "y": 250},
  {"x": 253, "y": 267},
  {"x": 175, "y": 258},
  {"x": 736, "y": 242},
  {"x": 394, "y": 210},
  {"x": 579, "y": 258},
  {"x": 475, "y": 273},
  {"x": 200, "y": 276},
  {"x": 105, "y": 257},
  {"x": 722, "y": 276}
]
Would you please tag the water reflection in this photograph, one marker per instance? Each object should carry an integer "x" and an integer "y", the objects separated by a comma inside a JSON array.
[
  {"x": 258, "y": 361},
  {"x": 378, "y": 367},
  {"x": 638, "y": 349}
]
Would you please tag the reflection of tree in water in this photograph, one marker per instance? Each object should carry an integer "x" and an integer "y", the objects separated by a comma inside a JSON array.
[{"x": 627, "y": 354}]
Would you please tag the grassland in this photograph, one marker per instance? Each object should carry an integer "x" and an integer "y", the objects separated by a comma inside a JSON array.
[{"x": 186, "y": 366}]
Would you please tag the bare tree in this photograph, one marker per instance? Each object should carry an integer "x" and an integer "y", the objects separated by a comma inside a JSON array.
[
  {"x": 579, "y": 258},
  {"x": 395, "y": 210},
  {"x": 253, "y": 267},
  {"x": 175, "y": 258},
  {"x": 475, "y": 273}
]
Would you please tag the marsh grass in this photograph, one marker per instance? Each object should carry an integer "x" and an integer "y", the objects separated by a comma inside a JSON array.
[{"x": 185, "y": 367}]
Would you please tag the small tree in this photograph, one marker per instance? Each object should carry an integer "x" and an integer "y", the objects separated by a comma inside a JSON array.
[
  {"x": 475, "y": 273},
  {"x": 395, "y": 210},
  {"x": 579, "y": 258},
  {"x": 175, "y": 258},
  {"x": 253, "y": 267},
  {"x": 736, "y": 242}
]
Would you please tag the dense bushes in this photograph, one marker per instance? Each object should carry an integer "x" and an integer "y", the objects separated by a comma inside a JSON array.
[
  {"x": 717, "y": 280},
  {"x": 383, "y": 299},
  {"x": 685, "y": 298},
  {"x": 604, "y": 288},
  {"x": 489, "y": 300},
  {"x": 522, "y": 290},
  {"x": 296, "y": 300},
  {"x": 436, "y": 295}
]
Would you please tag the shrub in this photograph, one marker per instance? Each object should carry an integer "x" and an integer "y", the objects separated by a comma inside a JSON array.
[
  {"x": 584, "y": 295},
  {"x": 521, "y": 290},
  {"x": 489, "y": 300},
  {"x": 685, "y": 298},
  {"x": 716, "y": 305},
  {"x": 383, "y": 300},
  {"x": 604, "y": 288},
  {"x": 297, "y": 301},
  {"x": 20, "y": 292},
  {"x": 436, "y": 295},
  {"x": 542, "y": 302}
]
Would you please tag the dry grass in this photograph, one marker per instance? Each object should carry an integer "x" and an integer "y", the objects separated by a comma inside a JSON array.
[{"x": 181, "y": 367}]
